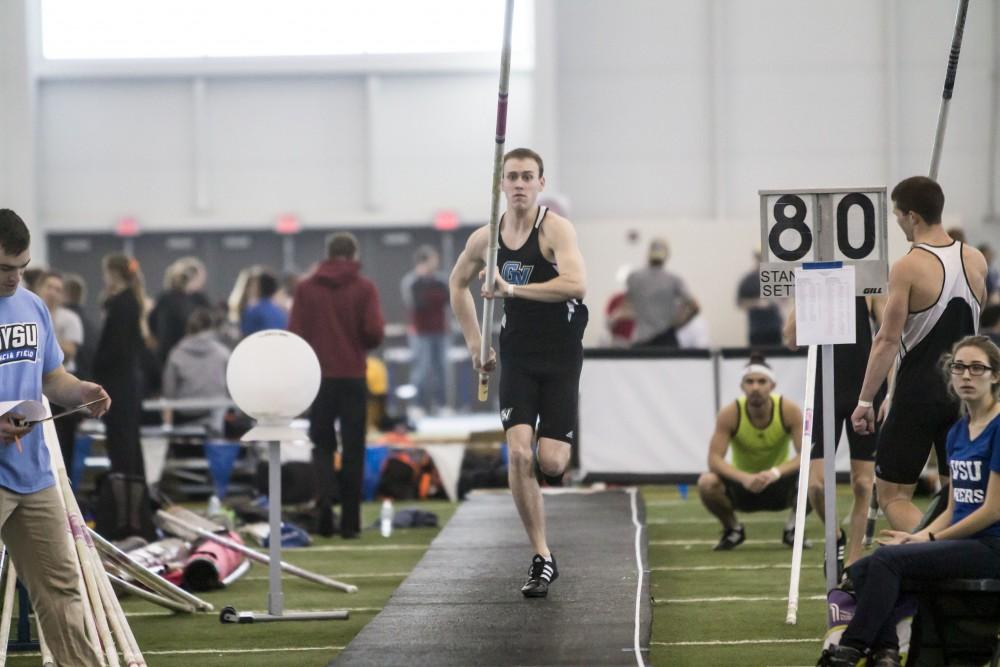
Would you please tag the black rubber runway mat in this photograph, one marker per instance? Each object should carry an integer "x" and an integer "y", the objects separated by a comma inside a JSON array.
[{"x": 462, "y": 605}]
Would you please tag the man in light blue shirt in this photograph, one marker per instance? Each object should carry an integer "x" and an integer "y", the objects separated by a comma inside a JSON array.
[{"x": 32, "y": 519}]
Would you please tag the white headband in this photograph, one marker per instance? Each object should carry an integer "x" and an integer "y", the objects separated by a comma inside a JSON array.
[{"x": 759, "y": 368}]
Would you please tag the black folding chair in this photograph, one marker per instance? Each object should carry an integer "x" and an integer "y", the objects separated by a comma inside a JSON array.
[{"x": 957, "y": 622}]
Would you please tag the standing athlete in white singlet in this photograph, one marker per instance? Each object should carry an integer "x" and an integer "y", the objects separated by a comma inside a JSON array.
[{"x": 935, "y": 296}]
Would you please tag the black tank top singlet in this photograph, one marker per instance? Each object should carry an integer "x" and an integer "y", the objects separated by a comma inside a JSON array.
[
  {"x": 931, "y": 332},
  {"x": 534, "y": 328}
]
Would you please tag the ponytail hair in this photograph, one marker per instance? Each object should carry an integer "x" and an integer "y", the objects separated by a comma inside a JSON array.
[{"x": 128, "y": 271}]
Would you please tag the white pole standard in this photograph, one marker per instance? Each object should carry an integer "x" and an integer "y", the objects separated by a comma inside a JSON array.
[
  {"x": 791, "y": 616},
  {"x": 829, "y": 471},
  {"x": 275, "y": 598}
]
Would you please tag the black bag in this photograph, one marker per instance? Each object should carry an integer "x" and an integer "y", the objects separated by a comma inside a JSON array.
[
  {"x": 298, "y": 481},
  {"x": 398, "y": 480},
  {"x": 124, "y": 508},
  {"x": 481, "y": 471}
]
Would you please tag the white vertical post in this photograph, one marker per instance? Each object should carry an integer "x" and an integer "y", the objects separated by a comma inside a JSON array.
[
  {"x": 275, "y": 598},
  {"x": 829, "y": 471}
]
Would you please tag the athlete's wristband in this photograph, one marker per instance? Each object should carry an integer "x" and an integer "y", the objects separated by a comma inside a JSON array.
[
  {"x": 777, "y": 473},
  {"x": 864, "y": 404},
  {"x": 510, "y": 291}
]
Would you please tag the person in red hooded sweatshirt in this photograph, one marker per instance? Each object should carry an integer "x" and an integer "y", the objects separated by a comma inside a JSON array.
[{"x": 336, "y": 310}]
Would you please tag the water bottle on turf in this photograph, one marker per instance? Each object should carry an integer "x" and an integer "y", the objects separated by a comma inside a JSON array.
[{"x": 386, "y": 516}]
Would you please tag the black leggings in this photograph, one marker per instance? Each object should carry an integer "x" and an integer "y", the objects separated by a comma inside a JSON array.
[
  {"x": 877, "y": 580},
  {"x": 121, "y": 430}
]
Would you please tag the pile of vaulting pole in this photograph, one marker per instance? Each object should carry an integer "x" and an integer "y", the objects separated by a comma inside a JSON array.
[{"x": 105, "y": 622}]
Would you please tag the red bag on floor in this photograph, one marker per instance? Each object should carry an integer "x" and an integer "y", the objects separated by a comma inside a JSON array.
[{"x": 212, "y": 565}]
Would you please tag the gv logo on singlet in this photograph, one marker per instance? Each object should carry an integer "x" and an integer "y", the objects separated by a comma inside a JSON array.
[
  {"x": 516, "y": 273},
  {"x": 18, "y": 342}
]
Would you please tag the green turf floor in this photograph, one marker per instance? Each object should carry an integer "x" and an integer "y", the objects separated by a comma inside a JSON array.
[
  {"x": 690, "y": 627},
  {"x": 375, "y": 564},
  {"x": 728, "y": 608}
]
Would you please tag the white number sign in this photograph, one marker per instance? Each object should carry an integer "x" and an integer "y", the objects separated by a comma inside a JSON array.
[{"x": 804, "y": 226}]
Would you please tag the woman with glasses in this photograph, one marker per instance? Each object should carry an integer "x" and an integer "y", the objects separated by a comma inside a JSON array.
[{"x": 964, "y": 541}]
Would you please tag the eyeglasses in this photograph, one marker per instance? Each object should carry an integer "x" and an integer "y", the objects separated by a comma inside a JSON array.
[{"x": 975, "y": 370}]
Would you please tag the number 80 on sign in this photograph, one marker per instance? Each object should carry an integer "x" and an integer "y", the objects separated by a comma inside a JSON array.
[{"x": 845, "y": 225}]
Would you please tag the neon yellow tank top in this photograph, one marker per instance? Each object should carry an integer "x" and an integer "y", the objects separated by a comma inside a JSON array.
[{"x": 756, "y": 449}]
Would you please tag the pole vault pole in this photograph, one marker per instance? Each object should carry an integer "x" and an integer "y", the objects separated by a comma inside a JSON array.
[
  {"x": 949, "y": 86},
  {"x": 802, "y": 502},
  {"x": 491, "y": 254}
]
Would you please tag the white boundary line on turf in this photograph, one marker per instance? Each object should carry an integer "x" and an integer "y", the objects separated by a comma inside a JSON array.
[
  {"x": 740, "y": 642},
  {"x": 360, "y": 547},
  {"x": 212, "y": 651},
  {"x": 713, "y": 568},
  {"x": 280, "y": 649},
  {"x": 735, "y": 598},
  {"x": 750, "y": 520},
  {"x": 140, "y": 614},
  {"x": 344, "y": 575},
  {"x": 632, "y": 492},
  {"x": 668, "y": 502},
  {"x": 698, "y": 543}
]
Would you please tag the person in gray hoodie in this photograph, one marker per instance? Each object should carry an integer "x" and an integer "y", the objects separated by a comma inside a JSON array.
[{"x": 196, "y": 368}]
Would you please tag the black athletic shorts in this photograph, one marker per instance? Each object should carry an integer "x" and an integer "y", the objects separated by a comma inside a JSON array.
[
  {"x": 905, "y": 440},
  {"x": 777, "y": 496},
  {"x": 862, "y": 446},
  {"x": 542, "y": 392},
  {"x": 850, "y": 362}
]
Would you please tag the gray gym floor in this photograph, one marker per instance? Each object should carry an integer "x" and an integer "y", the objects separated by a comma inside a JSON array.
[{"x": 462, "y": 604}]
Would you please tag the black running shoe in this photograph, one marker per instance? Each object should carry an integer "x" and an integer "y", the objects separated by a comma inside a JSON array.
[
  {"x": 885, "y": 657},
  {"x": 731, "y": 538},
  {"x": 540, "y": 575},
  {"x": 839, "y": 656},
  {"x": 788, "y": 539},
  {"x": 841, "y": 551}
]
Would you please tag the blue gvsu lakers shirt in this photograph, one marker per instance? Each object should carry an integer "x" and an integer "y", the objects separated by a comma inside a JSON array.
[
  {"x": 971, "y": 463},
  {"x": 28, "y": 350}
]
